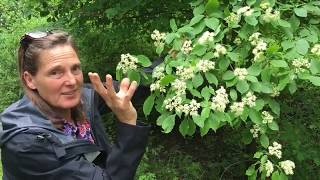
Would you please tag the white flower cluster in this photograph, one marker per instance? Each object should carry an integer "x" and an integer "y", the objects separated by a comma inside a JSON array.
[
  {"x": 179, "y": 86},
  {"x": 249, "y": 99},
  {"x": 158, "y": 38},
  {"x": 271, "y": 15},
  {"x": 255, "y": 131},
  {"x": 301, "y": 64},
  {"x": 237, "y": 41},
  {"x": 157, "y": 86},
  {"x": 127, "y": 62},
  {"x": 246, "y": 11},
  {"x": 186, "y": 47},
  {"x": 233, "y": 19},
  {"x": 206, "y": 37},
  {"x": 275, "y": 92},
  {"x": 205, "y": 65},
  {"x": 275, "y": 150},
  {"x": 265, "y": 5},
  {"x": 175, "y": 103},
  {"x": 269, "y": 168},
  {"x": 220, "y": 50},
  {"x": 158, "y": 72},
  {"x": 172, "y": 103},
  {"x": 259, "y": 44},
  {"x": 184, "y": 73},
  {"x": 266, "y": 117},
  {"x": 287, "y": 166},
  {"x": 237, "y": 108},
  {"x": 241, "y": 73},
  {"x": 220, "y": 100},
  {"x": 316, "y": 49}
]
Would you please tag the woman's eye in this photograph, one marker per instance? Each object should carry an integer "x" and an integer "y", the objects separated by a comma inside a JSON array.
[
  {"x": 76, "y": 70},
  {"x": 56, "y": 73}
]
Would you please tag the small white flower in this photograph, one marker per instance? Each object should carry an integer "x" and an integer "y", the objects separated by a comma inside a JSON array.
[
  {"x": 269, "y": 168},
  {"x": 248, "y": 13},
  {"x": 266, "y": 117},
  {"x": 243, "y": 10},
  {"x": 220, "y": 50},
  {"x": 237, "y": 41},
  {"x": 206, "y": 37},
  {"x": 233, "y": 19},
  {"x": 179, "y": 86},
  {"x": 186, "y": 47},
  {"x": 275, "y": 150},
  {"x": 241, "y": 73},
  {"x": 255, "y": 131},
  {"x": 316, "y": 49},
  {"x": 254, "y": 38},
  {"x": 194, "y": 106},
  {"x": 265, "y": 5},
  {"x": 205, "y": 65},
  {"x": 156, "y": 86},
  {"x": 237, "y": 108},
  {"x": 158, "y": 38},
  {"x": 287, "y": 166},
  {"x": 158, "y": 72},
  {"x": 301, "y": 64},
  {"x": 250, "y": 99},
  {"x": 185, "y": 73},
  {"x": 220, "y": 100},
  {"x": 269, "y": 16},
  {"x": 127, "y": 62}
]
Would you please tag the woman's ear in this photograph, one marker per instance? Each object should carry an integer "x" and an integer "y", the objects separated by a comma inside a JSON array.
[{"x": 29, "y": 79}]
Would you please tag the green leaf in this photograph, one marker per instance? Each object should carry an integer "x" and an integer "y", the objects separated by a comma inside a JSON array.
[
  {"x": 205, "y": 113},
  {"x": 255, "y": 116},
  {"x": 252, "y": 20},
  {"x": 250, "y": 2},
  {"x": 301, "y": 12},
  {"x": 315, "y": 66},
  {"x": 214, "y": 122},
  {"x": 251, "y": 170},
  {"x": 273, "y": 126},
  {"x": 233, "y": 94},
  {"x": 257, "y": 155},
  {"x": 173, "y": 25},
  {"x": 199, "y": 10},
  {"x": 212, "y": 6},
  {"x": 144, "y": 60},
  {"x": 256, "y": 87},
  {"x": 159, "y": 49},
  {"x": 287, "y": 45},
  {"x": 233, "y": 56},
  {"x": 302, "y": 46},
  {"x": 196, "y": 19},
  {"x": 266, "y": 87},
  {"x": 205, "y": 92},
  {"x": 224, "y": 64},
  {"x": 242, "y": 86},
  {"x": 167, "y": 80},
  {"x": 184, "y": 127},
  {"x": 212, "y": 23},
  {"x": 161, "y": 119},
  {"x": 195, "y": 92},
  {"x": 315, "y": 80},
  {"x": 254, "y": 70},
  {"x": 275, "y": 176},
  {"x": 246, "y": 136},
  {"x": 134, "y": 76},
  {"x": 259, "y": 104},
  {"x": 251, "y": 78},
  {"x": 228, "y": 75},
  {"x": 168, "y": 123},
  {"x": 170, "y": 37},
  {"x": 199, "y": 50},
  {"x": 212, "y": 79},
  {"x": 198, "y": 120},
  {"x": 279, "y": 63},
  {"x": 293, "y": 87},
  {"x": 197, "y": 80},
  {"x": 186, "y": 29},
  {"x": 284, "y": 23},
  {"x": 148, "y": 104},
  {"x": 275, "y": 106},
  {"x": 264, "y": 140}
]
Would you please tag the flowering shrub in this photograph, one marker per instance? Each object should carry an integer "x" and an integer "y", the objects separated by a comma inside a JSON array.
[{"x": 225, "y": 66}]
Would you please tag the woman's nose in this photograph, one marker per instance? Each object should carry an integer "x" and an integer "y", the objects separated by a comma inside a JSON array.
[{"x": 70, "y": 79}]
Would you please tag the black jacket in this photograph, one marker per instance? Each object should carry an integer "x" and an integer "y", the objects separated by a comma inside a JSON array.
[{"x": 32, "y": 149}]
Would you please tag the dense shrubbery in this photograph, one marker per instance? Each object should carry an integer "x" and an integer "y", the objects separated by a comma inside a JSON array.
[{"x": 104, "y": 31}]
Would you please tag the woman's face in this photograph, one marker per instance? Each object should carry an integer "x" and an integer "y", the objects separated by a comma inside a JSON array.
[{"x": 59, "y": 78}]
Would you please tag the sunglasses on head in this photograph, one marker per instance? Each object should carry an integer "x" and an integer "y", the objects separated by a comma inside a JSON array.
[{"x": 30, "y": 36}]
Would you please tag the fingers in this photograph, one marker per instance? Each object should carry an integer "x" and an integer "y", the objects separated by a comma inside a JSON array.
[
  {"x": 96, "y": 82},
  {"x": 127, "y": 88},
  {"x": 131, "y": 90},
  {"x": 110, "y": 86}
]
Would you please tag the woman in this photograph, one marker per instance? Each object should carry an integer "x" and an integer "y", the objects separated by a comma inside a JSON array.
[{"x": 55, "y": 131}]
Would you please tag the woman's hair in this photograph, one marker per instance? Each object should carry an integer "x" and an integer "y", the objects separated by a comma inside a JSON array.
[{"x": 28, "y": 60}]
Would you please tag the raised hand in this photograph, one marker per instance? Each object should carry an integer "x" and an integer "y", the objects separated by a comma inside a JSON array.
[{"x": 119, "y": 103}]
